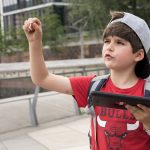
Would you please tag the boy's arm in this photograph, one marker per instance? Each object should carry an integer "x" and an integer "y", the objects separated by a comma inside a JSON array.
[{"x": 39, "y": 72}]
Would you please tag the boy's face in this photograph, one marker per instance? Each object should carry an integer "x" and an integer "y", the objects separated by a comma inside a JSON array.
[{"x": 118, "y": 53}]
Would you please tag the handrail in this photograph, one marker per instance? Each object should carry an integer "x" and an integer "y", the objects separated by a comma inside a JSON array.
[
  {"x": 34, "y": 97},
  {"x": 22, "y": 69}
]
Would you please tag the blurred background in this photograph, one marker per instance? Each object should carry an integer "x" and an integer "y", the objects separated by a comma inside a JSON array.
[
  {"x": 72, "y": 43},
  {"x": 72, "y": 30}
]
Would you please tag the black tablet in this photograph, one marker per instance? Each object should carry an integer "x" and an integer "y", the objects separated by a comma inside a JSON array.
[{"x": 117, "y": 100}]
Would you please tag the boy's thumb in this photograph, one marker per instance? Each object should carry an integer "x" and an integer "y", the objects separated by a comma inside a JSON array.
[{"x": 35, "y": 26}]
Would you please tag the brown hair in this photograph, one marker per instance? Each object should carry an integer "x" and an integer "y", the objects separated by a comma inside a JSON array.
[{"x": 123, "y": 31}]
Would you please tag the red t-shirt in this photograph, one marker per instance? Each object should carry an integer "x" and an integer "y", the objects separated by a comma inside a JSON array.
[{"x": 116, "y": 129}]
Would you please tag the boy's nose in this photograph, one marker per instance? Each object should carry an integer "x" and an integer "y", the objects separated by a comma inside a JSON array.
[{"x": 110, "y": 47}]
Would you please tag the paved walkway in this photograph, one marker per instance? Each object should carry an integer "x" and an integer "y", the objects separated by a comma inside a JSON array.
[{"x": 59, "y": 127}]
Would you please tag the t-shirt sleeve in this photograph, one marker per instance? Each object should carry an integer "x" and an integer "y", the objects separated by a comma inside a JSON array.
[{"x": 80, "y": 87}]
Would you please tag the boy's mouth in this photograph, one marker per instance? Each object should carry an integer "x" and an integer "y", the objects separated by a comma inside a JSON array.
[{"x": 108, "y": 56}]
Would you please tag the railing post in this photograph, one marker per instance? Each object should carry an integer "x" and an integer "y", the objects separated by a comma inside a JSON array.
[{"x": 32, "y": 106}]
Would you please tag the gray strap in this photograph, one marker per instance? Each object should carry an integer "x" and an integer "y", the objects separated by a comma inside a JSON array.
[
  {"x": 147, "y": 84},
  {"x": 95, "y": 82},
  {"x": 147, "y": 88}
]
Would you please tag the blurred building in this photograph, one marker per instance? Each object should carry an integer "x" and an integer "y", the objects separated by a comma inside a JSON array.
[{"x": 14, "y": 12}]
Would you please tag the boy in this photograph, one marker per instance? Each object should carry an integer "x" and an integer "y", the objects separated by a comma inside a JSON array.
[{"x": 126, "y": 42}]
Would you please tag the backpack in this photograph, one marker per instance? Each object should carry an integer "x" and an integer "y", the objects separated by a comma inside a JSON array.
[{"x": 96, "y": 84}]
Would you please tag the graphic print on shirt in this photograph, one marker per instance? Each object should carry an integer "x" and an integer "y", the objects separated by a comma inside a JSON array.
[{"x": 115, "y": 132}]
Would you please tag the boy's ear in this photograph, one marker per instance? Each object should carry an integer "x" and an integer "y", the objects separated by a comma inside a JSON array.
[{"x": 139, "y": 55}]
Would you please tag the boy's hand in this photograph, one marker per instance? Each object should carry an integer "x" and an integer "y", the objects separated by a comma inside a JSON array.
[
  {"x": 141, "y": 113},
  {"x": 33, "y": 29}
]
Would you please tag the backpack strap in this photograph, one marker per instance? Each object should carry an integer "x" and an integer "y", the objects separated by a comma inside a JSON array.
[
  {"x": 147, "y": 88},
  {"x": 96, "y": 84}
]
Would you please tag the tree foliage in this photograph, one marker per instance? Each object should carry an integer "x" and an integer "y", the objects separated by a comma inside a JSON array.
[
  {"x": 94, "y": 13},
  {"x": 2, "y": 42},
  {"x": 14, "y": 40},
  {"x": 88, "y": 15},
  {"x": 97, "y": 11},
  {"x": 52, "y": 28}
]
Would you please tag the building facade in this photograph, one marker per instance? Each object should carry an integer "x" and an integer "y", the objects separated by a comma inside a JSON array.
[{"x": 14, "y": 12}]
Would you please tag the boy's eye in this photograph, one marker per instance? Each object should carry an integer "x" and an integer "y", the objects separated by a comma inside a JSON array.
[
  {"x": 106, "y": 41},
  {"x": 120, "y": 42}
]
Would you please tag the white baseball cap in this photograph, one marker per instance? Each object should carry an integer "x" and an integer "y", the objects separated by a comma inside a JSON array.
[{"x": 140, "y": 27}]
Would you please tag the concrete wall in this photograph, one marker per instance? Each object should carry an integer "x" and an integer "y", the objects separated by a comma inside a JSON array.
[{"x": 16, "y": 87}]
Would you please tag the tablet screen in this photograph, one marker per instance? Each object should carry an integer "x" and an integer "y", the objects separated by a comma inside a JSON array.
[{"x": 117, "y": 100}]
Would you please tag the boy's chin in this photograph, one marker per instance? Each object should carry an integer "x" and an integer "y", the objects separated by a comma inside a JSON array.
[{"x": 109, "y": 65}]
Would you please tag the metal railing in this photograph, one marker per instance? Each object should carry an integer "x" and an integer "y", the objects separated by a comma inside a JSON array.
[
  {"x": 83, "y": 72},
  {"x": 22, "y": 69},
  {"x": 80, "y": 67}
]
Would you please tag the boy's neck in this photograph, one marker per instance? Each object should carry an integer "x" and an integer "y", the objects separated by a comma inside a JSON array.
[{"x": 123, "y": 79}]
